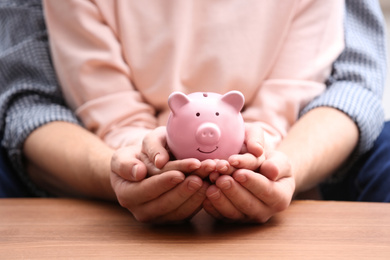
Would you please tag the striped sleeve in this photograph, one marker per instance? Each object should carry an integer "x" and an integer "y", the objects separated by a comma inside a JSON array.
[
  {"x": 29, "y": 93},
  {"x": 358, "y": 76}
]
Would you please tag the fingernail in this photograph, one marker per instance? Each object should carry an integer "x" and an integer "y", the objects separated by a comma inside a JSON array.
[
  {"x": 240, "y": 178},
  {"x": 233, "y": 162},
  {"x": 193, "y": 185},
  {"x": 214, "y": 196},
  {"x": 193, "y": 167},
  {"x": 209, "y": 169},
  {"x": 261, "y": 148},
  {"x": 226, "y": 185},
  {"x": 224, "y": 169},
  {"x": 134, "y": 172},
  {"x": 177, "y": 180},
  {"x": 155, "y": 158}
]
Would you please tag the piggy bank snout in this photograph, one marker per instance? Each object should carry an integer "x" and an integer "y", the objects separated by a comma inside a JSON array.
[{"x": 208, "y": 134}]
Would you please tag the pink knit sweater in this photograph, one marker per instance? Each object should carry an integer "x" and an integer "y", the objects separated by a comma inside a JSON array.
[{"x": 118, "y": 61}]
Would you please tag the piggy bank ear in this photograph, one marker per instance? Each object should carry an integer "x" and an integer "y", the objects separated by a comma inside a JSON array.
[
  {"x": 235, "y": 99},
  {"x": 176, "y": 100}
]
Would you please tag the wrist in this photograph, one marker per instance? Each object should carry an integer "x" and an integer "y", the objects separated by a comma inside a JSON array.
[
  {"x": 99, "y": 168},
  {"x": 318, "y": 144}
]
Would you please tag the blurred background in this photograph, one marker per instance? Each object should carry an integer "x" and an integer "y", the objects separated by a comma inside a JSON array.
[{"x": 386, "y": 98}]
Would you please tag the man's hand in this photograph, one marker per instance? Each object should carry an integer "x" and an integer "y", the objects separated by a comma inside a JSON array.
[
  {"x": 166, "y": 197},
  {"x": 249, "y": 196}
]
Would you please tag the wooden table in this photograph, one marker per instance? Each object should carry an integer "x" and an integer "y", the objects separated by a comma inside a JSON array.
[{"x": 71, "y": 229}]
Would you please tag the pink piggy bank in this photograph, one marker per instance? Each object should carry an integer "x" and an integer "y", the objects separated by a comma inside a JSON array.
[{"x": 205, "y": 125}]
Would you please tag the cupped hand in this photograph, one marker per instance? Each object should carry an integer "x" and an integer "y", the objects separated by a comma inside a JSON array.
[
  {"x": 166, "y": 197},
  {"x": 249, "y": 196}
]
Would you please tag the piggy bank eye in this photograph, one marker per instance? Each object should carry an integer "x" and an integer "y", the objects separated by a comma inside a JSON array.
[
  {"x": 198, "y": 114},
  {"x": 217, "y": 113}
]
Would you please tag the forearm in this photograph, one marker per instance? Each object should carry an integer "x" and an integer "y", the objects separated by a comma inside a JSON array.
[
  {"x": 67, "y": 160},
  {"x": 318, "y": 144}
]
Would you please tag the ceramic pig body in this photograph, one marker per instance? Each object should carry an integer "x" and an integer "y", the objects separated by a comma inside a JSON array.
[{"x": 205, "y": 125}]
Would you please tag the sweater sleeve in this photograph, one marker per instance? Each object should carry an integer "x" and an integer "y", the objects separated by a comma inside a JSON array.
[
  {"x": 358, "y": 76},
  {"x": 29, "y": 94},
  {"x": 94, "y": 76}
]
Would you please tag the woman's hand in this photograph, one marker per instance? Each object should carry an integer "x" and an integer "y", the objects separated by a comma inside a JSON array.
[{"x": 251, "y": 155}]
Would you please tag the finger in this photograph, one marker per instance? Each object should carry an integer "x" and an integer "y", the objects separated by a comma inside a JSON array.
[
  {"x": 247, "y": 161},
  {"x": 270, "y": 170},
  {"x": 276, "y": 195},
  {"x": 224, "y": 167},
  {"x": 154, "y": 146},
  {"x": 206, "y": 168},
  {"x": 125, "y": 163},
  {"x": 132, "y": 194},
  {"x": 186, "y": 165},
  {"x": 214, "y": 176},
  {"x": 244, "y": 201},
  {"x": 221, "y": 203},
  {"x": 276, "y": 166},
  {"x": 211, "y": 210},
  {"x": 189, "y": 208},
  {"x": 168, "y": 203},
  {"x": 254, "y": 138}
]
